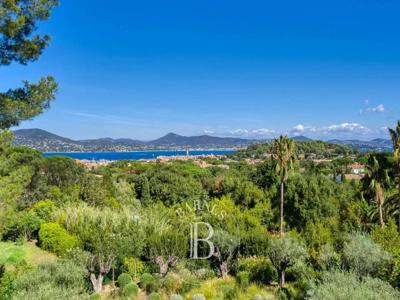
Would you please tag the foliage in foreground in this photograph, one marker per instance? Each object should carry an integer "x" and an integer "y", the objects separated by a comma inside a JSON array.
[
  {"x": 57, "y": 280},
  {"x": 342, "y": 286}
]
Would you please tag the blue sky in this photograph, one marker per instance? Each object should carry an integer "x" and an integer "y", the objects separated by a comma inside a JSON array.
[{"x": 140, "y": 69}]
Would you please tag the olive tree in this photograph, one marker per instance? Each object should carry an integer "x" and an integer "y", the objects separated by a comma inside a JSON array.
[
  {"x": 285, "y": 252},
  {"x": 167, "y": 248},
  {"x": 108, "y": 235},
  {"x": 226, "y": 246},
  {"x": 363, "y": 256},
  {"x": 339, "y": 285},
  {"x": 166, "y": 245}
]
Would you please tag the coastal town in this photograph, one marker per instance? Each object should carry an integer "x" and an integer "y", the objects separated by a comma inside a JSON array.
[{"x": 354, "y": 171}]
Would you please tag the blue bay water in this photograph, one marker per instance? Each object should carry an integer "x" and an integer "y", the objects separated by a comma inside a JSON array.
[{"x": 133, "y": 155}]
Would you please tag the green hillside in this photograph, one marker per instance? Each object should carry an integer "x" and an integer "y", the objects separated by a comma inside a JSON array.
[{"x": 317, "y": 149}]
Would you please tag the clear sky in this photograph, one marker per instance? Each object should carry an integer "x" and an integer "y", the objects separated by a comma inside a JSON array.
[{"x": 140, "y": 69}]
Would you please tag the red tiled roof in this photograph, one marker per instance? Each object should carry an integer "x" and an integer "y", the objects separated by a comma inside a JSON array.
[{"x": 352, "y": 177}]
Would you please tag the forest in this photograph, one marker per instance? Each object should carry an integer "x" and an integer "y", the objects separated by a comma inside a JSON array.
[
  {"x": 317, "y": 149},
  {"x": 282, "y": 229}
]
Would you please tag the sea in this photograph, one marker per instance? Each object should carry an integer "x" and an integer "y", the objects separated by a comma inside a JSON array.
[{"x": 136, "y": 155}]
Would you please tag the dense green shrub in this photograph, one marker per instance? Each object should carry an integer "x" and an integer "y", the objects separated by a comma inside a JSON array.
[
  {"x": 301, "y": 274},
  {"x": 328, "y": 258},
  {"x": 363, "y": 256},
  {"x": 62, "y": 172},
  {"x": 253, "y": 242},
  {"x": 187, "y": 286},
  {"x": 44, "y": 208},
  {"x": 185, "y": 274},
  {"x": 228, "y": 291},
  {"x": 168, "y": 187},
  {"x": 172, "y": 283},
  {"x": 282, "y": 294},
  {"x": 2, "y": 269},
  {"x": 7, "y": 287},
  {"x": 124, "y": 279},
  {"x": 204, "y": 273},
  {"x": 243, "y": 279},
  {"x": 260, "y": 269},
  {"x": 95, "y": 296},
  {"x": 317, "y": 235},
  {"x": 23, "y": 226},
  {"x": 57, "y": 280},
  {"x": 77, "y": 256},
  {"x": 154, "y": 296},
  {"x": 157, "y": 282},
  {"x": 389, "y": 238},
  {"x": 27, "y": 224},
  {"x": 130, "y": 290},
  {"x": 148, "y": 282},
  {"x": 342, "y": 285},
  {"x": 56, "y": 239},
  {"x": 134, "y": 266},
  {"x": 49, "y": 291}
]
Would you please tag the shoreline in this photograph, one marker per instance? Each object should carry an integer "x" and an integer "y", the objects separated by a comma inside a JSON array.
[{"x": 136, "y": 155}]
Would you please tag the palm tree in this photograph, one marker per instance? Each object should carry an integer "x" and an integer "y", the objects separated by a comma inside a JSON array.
[
  {"x": 395, "y": 135},
  {"x": 376, "y": 178},
  {"x": 283, "y": 153}
]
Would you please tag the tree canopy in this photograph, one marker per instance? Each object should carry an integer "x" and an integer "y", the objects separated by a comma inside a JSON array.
[{"x": 19, "y": 43}]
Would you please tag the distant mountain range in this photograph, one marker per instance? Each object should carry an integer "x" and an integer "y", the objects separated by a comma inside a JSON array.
[
  {"x": 49, "y": 142},
  {"x": 376, "y": 144}
]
